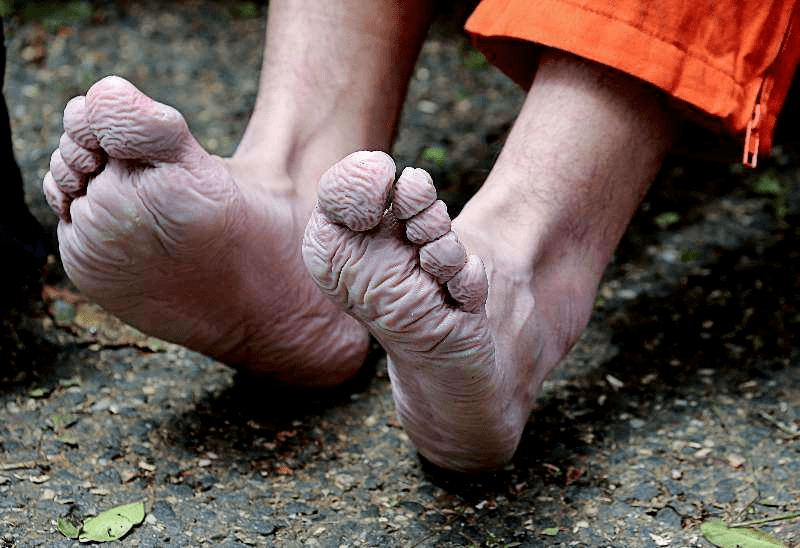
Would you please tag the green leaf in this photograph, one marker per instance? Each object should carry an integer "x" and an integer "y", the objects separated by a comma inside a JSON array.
[
  {"x": 134, "y": 511},
  {"x": 719, "y": 534},
  {"x": 474, "y": 59},
  {"x": 104, "y": 528},
  {"x": 38, "y": 392},
  {"x": 68, "y": 383},
  {"x": 437, "y": 155},
  {"x": 67, "y": 528},
  {"x": 689, "y": 254},
  {"x": 551, "y": 531},
  {"x": 113, "y": 523},
  {"x": 244, "y": 10},
  {"x": 54, "y": 15},
  {"x": 666, "y": 219},
  {"x": 768, "y": 183}
]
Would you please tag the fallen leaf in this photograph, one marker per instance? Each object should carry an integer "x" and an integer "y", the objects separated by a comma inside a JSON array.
[
  {"x": 615, "y": 383},
  {"x": 67, "y": 528},
  {"x": 437, "y": 155},
  {"x": 147, "y": 466},
  {"x": 660, "y": 541},
  {"x": 573, "y": 474},
  {"x": 702, "y": 453},
  {"x": 92, "y": 324},
  {"x": 736, "y": 461},
  {"x": 113, "y": 523},
  {"x": 104, "y": 528},
  {"x": 70, "y": 382},
  {"x": 666, "y": 219},
  {"x": 551, "y": 531},
  {"x": 38, "y": 392},
  {"x": 719, "y": 534}
]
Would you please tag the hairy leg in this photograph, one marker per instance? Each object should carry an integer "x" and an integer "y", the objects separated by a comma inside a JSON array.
[
  {"x": 205, "y": 251},
  {"x": 465, "y": 366},
  {"x": 583, "y": 151},
  {"x": 333, "y": 81}
]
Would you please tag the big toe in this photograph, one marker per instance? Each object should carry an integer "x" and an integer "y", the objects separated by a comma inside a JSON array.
[
  {"x": 129, "y": 125},
  {"x": 354, "y": 191},
  {"x": 347, "y": 258}
]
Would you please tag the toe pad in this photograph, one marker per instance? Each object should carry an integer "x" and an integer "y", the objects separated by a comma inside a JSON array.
[
  {"x": 443, "y": 258},
  {"x": 354, "y": 191}
]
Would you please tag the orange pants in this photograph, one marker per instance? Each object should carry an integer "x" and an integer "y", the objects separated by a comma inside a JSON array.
[{"x": 730, "y": 62}]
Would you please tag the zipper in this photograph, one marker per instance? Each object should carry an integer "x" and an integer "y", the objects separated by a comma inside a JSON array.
[{"x": 752, "y": 137}]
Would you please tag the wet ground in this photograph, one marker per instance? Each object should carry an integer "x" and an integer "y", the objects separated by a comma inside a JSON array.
[{"x": 680, "y": 404}]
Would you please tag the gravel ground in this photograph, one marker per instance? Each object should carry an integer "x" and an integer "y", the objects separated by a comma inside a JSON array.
[{"x": 680, "y": 404}]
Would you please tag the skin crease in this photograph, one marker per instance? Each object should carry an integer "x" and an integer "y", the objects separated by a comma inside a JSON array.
[
  {"x": 473, "y": 313},
  {"x": 540, "y": 231},
  {"x": 205, "y": 251}
]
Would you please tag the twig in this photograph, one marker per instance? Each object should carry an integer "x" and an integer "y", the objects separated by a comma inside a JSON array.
[
  {"x": 754, "y": 500},
  {"x": 720, "y": 416},
  {"x": 5, "y": 466},
  {"x": 754, "y": 478},
  {"x": 450, "y": 520},
  {"x": 793, "y": 432},
  {"x": 766, "y": 520}
]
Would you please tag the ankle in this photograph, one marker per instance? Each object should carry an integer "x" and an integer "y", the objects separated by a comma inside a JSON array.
[
  {"x": 487, "y": 228},
  {"x": 565, "y": 290},
  {"x": 538, "y": 262},
  {"x": 302, "y": 152}
]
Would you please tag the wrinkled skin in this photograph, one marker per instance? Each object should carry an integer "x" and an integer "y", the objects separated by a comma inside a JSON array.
[
  {"x": 424, "y": 302},
  {"x": 473, "y": 313},
  {"x": 162, "y": 234}
]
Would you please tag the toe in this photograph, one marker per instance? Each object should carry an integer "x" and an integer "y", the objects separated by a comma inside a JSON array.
[
  {"x": 354, "y": 191},
  {"x": 56, "y": 199},
  {"x": 76, "y": 124},
  {"x": 470, "y": 287},
  {"x": 131, "y": 126},
  {"x": 443, "y": 258},
  {"x": 413, "y": 192},
  {"x": 68, "y": 181},
  {"x": 81, "y": 160},
  {"x": 319, "y": 237},
  {"x": 429, "y": 224}
]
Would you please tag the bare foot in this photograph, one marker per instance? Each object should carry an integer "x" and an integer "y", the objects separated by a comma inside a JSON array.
[
  {"x": 545, "y": 222},
  {"x": 189, "y": 247},
  {"x": 403, "y": 273}
]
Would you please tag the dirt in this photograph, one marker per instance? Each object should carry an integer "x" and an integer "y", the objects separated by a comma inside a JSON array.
[{"x": 680, "y": 404}]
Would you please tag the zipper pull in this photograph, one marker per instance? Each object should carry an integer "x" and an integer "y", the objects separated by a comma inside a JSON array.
[{"x": 751, "y": 139}]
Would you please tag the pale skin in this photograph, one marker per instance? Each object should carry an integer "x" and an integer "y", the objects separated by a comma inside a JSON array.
[{"x": 243, "y": 259}]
